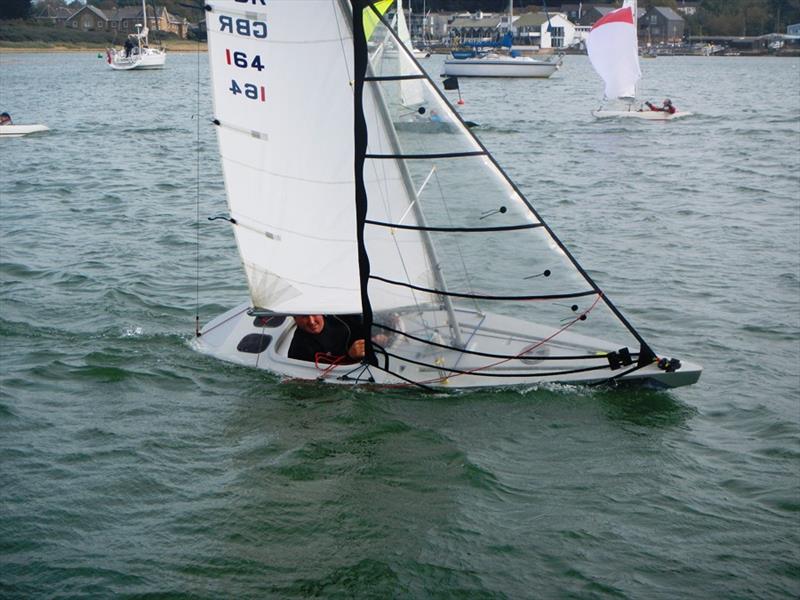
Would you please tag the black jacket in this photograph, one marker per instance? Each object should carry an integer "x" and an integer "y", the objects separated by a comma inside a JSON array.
[{"x": 335, "y": 339}]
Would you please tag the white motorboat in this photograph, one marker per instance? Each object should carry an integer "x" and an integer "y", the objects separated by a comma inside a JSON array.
[
  {"x": 416, "y": 230},
  {"x": 137, "y": 53},
  {"x": 9, "y": 131}
]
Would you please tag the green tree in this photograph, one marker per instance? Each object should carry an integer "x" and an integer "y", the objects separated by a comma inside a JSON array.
[
  {"x": 15, "y": 9},
  {"x": 648, "y": 4}
]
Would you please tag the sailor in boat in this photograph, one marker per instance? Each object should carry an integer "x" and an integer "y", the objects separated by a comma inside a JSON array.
[
  {"x": 5, "y": 119},
  {"x": 128, "y": 47},
  {"x": 666, "y": 107},
  {"x": 327, "y": 338}
]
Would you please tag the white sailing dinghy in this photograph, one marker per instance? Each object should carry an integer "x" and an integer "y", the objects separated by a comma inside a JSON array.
[
  {"x": 613, "y": 49},
  {"x": 336, "y": 211},
  {"x": 9, "y": 131},
  {"x": 141, "y": 55}
]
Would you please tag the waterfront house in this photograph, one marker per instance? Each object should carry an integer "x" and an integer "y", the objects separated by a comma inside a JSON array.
[
  {"x": 661, "y": 25},
  {"x": 480, "y": 27},
  {"x": 591, "y": 16},
  {"x": 125, "y": 19},
  {"x": 535, "y": 29},
  {"x": 54, "y": 15},
  {"x": 793, "y": 29},
  {"x": 88, "y": 18}
]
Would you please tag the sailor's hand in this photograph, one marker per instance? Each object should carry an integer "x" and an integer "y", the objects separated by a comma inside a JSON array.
[{"x": 356, "y": 351}]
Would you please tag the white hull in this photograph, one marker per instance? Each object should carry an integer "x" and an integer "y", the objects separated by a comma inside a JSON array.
[
  {"x": 9, "y": 131},
  {"x": 150, "y": 58},
  {"x": 647, "y": 115},
  {"x": 487, "y": 333},
  {"x": 500, "y": 66}
]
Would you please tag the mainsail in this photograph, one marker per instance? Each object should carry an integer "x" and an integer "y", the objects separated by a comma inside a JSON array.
[{"x": 613, "y": 50}]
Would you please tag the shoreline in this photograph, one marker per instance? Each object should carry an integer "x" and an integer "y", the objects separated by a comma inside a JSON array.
[{"x": 27, "y": 49}]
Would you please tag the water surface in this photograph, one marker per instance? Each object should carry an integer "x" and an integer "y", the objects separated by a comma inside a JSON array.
[{"x": 132, "y": 466}]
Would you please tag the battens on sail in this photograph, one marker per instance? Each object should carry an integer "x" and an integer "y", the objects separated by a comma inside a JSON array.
[{"x": 613, "y": 50}]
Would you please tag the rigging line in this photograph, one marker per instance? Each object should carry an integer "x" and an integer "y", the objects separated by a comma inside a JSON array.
[
  {"x": 197, "y": 203},
  {"x": 543, "y": 297},
  {"x": 489, "y": 354},
  {"x": 455, "y": 229}
]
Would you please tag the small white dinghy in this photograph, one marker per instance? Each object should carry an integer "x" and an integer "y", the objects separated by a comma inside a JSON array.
[
  {"x": 645, "y": 114},
  {"x": 613, "y": 49},
  {"x": 9, "y": 131}
]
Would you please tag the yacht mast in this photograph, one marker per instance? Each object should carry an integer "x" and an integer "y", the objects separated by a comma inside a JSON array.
[{"x": 144, "y": 31}]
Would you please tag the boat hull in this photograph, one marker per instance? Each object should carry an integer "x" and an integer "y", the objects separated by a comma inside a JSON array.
[
  {"x": 9, "y": 131},
  {"x": 500, "y": 67},
  {"x": 407, "y": 360},
  {"x": 646, "y": 115},
  {"x": 150, "y": 59}
]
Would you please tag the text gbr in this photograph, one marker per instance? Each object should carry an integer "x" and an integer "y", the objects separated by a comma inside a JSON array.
[{"x": 245, "y": 27}]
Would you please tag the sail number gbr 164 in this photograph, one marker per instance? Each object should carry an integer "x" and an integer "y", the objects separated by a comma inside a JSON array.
[{"x": 248, "y": 90}]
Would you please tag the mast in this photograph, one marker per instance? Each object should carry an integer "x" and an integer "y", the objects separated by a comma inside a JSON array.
[{"x": 144, "y": 30}]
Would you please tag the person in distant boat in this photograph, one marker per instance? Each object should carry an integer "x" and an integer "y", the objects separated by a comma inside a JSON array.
[
  {"x": 5, "y": 119},
  {"x": 128, "y": 47},
  {"x": 327, "y": 338},
  {"x": 666, "y": 107}
]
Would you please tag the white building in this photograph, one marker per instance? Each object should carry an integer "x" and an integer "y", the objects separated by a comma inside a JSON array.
[{"x": 535, "y": 29}]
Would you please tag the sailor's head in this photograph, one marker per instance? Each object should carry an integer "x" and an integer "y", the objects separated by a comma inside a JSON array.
[
  {"x": 667, "y": 102},
  {"x": 4, "y": 117},
  {"x": 312, "y": 324}
]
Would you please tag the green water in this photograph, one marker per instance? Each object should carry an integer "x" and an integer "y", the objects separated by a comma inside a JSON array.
[{"x": 131, "y": 466}]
